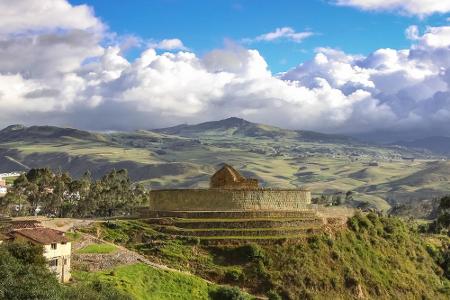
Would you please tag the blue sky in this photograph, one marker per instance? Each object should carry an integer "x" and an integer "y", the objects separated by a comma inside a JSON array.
[
  {"x": 338, "y": 66},
  {"x": 203, "y": 25}
]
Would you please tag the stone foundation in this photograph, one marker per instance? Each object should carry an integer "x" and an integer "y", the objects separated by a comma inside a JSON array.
[{"x": 230, "y": 200}]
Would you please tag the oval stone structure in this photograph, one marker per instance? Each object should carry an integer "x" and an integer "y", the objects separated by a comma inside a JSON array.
[
  {"x": 230, "y": 191},
  {"x": 226, "y": 199}
]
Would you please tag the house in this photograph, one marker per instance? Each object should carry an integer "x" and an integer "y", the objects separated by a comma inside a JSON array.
[
  {"x": 57, "y": 248},
  {"x": 3, "y": 187}
]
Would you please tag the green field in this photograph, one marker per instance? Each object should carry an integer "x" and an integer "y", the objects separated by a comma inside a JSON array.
[
  {"x": 143, "y": 282},
  {"x": 97, "y": 249}
]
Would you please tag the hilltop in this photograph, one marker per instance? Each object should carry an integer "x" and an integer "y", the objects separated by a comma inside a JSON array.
[
  {"x": 36, "y": 133},
  {"x": 239, "y": 127},
  {"x": 370, "y": 258}
]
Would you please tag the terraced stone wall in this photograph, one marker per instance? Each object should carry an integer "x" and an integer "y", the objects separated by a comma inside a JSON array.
[{"x": 229, "y": 200}]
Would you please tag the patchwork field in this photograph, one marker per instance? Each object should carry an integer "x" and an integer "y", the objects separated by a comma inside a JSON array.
[{"x": 187, "y": 155}]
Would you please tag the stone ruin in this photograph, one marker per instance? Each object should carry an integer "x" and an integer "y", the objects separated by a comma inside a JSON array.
[
  {"x": 230, "y": 191},
  {"x": 228, "y": 178}
]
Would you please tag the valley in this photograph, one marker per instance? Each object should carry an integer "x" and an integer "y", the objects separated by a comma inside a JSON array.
[{"x": 185, "y": 156}]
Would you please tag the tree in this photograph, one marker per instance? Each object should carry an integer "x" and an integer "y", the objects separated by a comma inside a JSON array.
[
  {"x": 81, "y": 191},
  {"x": 24, "y": 274},
  {"x": 442, "y": 222},
  {"x": 17, "y": 195},
  {"x": 59, "y": 195}
]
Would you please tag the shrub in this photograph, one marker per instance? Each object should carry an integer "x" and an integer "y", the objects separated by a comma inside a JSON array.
[
  {"x": 252, "y": 252},
  {"x": 234, "y": 275},
  {"x": 314, "y": 242},
  {"x": 227, "y": 293},
  {"x": 111, "y": 225},
  {"x": 372, "y": 217},
  {"x": 273, "y": 295},
  {"x": 353, "y": 224}
]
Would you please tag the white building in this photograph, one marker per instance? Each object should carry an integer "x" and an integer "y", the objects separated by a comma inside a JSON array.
[
  {"x": 3, "y": 187},
  {"x": 57, "y": 248}
]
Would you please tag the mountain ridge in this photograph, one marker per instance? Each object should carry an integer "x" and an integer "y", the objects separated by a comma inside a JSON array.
[
  {"x": 240, "y": 127},
  {"x": 20, "y": 132},
  {"x": 436, "y": 144}
]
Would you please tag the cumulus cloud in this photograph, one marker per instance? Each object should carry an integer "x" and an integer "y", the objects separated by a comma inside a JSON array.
[
  {"x": 283, "y": 33},
  {"x": 412, "y": 7},
  {"x": 168, "y": 44},
  {"x": 21, "y": 16},
  {"x": 63, "y": 74}
]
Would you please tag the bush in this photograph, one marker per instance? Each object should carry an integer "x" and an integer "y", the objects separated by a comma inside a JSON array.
[
  {"x": 353, "y": 224},
  {"x": 252, "y": 252},
  {"x": 227, "y": 293},
  {"x": 111, "y": 225},
  {"x": 234, "y": 276},
  {"x": 273, "y": 295}
]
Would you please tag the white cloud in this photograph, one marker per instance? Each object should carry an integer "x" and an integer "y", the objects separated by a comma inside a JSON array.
[
  {"x": 67, "y": 77},
  {"x": 20, "y": 16},
  {"x": 412, "y": 32},
  {"x": 168, "y": 44},
  {"x": 435, "y": 37},
  {"x": 283, "y": 33},
  {"x": 412, "y": 7}
]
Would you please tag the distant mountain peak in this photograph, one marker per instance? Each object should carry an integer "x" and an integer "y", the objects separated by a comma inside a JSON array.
[
  {"x": 235, "y": 126},
  {"x": 234, "y": 121},
  {"x": 14, "y": 127},
  {"x": 21, "y": 132}
]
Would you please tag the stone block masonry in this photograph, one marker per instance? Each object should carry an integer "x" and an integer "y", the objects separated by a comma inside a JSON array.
[{"x": 230, "y": 200}]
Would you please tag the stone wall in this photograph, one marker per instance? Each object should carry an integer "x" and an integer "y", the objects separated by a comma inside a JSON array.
[{"x": 229, "y": 200}]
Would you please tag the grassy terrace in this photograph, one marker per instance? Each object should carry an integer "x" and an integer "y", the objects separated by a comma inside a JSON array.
[
  {"x": 382, "y": 257},
  {"x": 98, "y": 249},
  {"x": 143, "y": 282},
  {"x": 234, "y": 227}
]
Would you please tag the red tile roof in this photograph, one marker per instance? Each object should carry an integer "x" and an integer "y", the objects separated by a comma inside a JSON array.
[
  {"x": 24, "y": 224},
  {"x": 41, "y": 235}
]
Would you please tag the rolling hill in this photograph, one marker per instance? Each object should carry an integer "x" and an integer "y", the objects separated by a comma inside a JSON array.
[
  {"x": 239, "y": 127},
  {"x": 436, "y": 144},
  {"x": 186, "y": 155}
]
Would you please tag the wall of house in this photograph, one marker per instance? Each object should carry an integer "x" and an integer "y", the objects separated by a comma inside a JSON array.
[
  {"x": 233, "y": 200},
  {"x": 62, "y": 255}
]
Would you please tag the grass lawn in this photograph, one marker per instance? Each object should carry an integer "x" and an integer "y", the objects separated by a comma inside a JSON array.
[
  {"x": 98, "y": 249},
  {"x": 73, "y": 236},
  {"x": 143, "y": 282}
]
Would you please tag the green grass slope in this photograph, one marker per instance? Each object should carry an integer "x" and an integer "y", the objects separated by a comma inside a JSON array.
[
  {"x": 374, "y": 258},
  {"x": 97, "y": 249},
  {"x": 146, "y": 283}
]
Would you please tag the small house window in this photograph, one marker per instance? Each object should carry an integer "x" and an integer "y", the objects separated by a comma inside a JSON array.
[
  {"x": 53, "y": 246},
  {"x": 65, "y": 261},
  {"x": 53, "y": 263}
]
